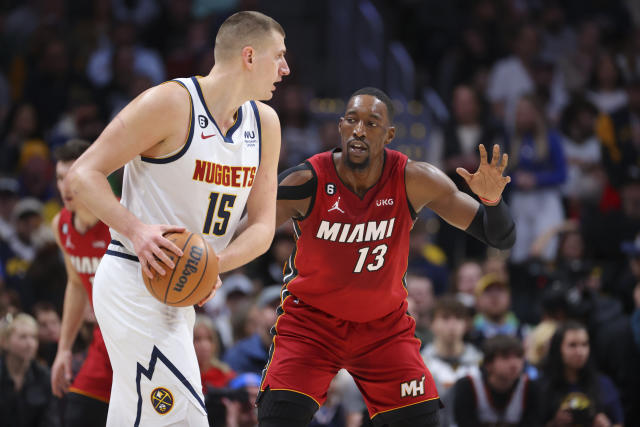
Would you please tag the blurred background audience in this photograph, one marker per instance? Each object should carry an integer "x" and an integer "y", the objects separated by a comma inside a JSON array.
[{"x": 555, "y": 83}]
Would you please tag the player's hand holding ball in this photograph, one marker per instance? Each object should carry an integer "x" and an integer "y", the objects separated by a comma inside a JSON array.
[{"x": 190, "y": 270}]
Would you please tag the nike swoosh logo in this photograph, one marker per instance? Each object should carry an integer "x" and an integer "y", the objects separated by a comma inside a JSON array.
[{"x": 203, "y": 136}]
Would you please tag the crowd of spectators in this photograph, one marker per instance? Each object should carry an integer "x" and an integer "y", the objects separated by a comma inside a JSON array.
[{"x": 556, "y": 83}]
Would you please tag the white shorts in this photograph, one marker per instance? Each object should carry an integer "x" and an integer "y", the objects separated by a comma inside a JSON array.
[{"x": 156, "y": 379}]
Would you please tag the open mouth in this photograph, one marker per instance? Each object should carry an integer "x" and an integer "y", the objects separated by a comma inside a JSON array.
[{"x": 357, "y": 147}]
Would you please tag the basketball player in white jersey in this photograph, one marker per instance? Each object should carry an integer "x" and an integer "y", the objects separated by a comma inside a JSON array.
[{"x": 196, "y": 151}]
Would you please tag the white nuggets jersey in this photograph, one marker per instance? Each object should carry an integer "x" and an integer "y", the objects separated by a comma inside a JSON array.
[{"x": 205, "y": 184}]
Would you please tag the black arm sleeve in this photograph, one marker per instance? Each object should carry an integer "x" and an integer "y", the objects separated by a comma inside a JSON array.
[
  {"x": 494, "y": 226},
  {"x": 296, "y": 192}
]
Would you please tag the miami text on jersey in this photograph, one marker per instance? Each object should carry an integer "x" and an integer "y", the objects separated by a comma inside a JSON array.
[
  {"x": 85, "y": 264},
  {"x": 349, "y": 233},
  {"x": 229, "y": 176}
]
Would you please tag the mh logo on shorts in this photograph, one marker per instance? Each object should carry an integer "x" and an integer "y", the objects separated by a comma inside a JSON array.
[
  {"x": 161, "y": 400},
  {"x": 190, "y": 267},
  {"x": 412, "y": 388}
]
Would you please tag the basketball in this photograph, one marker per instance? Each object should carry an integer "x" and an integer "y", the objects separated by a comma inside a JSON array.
[{"x": 194, "y": 275}]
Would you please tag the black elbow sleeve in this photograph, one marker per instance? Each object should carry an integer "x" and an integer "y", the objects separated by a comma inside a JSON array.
[{"x": 494, "y": 226}]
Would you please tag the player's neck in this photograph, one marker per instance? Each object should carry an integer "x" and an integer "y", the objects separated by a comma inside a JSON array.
[
  {"x": 83, "y": 220},
  {"x": 358, "y": 180},
  {"x": 223, "y": 92}
]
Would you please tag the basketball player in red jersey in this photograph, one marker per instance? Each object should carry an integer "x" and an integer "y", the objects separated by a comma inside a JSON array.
[
  {"x": 83, "y": 240},
  {"x": 344, "y": 300}
]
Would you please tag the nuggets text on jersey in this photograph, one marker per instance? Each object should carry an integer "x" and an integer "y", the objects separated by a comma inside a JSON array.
[{"x": 229, "y": 176}]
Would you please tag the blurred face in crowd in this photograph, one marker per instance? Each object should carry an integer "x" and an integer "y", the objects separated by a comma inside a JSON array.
[
  {"x": 526, "y": 116},
  {"x": 25, "y": 121},
  {"x": 527, "y": 43},
  {"x": 468, "y": 276},
  {"x": 606, "y": 72},
  {"x": 22, "y": 343},
  {"x": 575, "y": 348},
  {"x": 267, "y": 317},
  {"x": 506, "y": 368},
  {"x": 448, "y": 327},
  {"x": 26, "y": 225},
  {"x": 465, "y": 105},
  {"x": 572, "y": 246},
  {"x": 49, "y": 326},
  {"x": 205, "y": 344},
  {"x": 420, "y": 289},
  {"x": 494, "y": 302},
  {"x": 8, "y": 201},
  {"x": 62, "y": 168}
]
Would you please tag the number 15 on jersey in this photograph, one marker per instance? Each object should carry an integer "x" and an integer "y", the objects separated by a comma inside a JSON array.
[{"x": 220, "y": 205}]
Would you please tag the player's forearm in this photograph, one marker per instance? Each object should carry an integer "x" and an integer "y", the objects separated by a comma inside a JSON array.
[
  {"x": 75, "y": 301},
  {"x": 494, "y": 226},
  {"x": 92, "y": 189},
  {"x": 250, "y": 244}
]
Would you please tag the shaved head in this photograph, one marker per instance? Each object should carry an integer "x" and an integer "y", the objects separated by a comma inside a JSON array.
[{"x": 242, "y": 29}]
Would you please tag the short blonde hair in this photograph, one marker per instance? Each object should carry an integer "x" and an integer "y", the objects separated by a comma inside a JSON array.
[
  {"x": 243, "y": 29},
  {"x": 10, "y": 322}
]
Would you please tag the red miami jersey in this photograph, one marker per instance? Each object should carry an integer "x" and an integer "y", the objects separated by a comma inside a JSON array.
[
  {"x": 85, "y": 250},
  {"x": 351, "y": 253}
]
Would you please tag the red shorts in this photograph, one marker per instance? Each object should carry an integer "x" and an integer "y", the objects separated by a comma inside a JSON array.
[
  {"x": 94, "y": 378},
  {"x": 382, "y": 356}
]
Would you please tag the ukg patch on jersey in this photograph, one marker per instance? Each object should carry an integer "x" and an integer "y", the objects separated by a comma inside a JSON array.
[{"x": 161, "y": 400}]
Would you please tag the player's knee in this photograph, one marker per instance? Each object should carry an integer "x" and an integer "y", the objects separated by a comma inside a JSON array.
[{"x": 282, "y": 408}]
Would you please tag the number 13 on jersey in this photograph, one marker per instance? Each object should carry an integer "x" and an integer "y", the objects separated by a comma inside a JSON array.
[
  {"x": 221, "y": 205},
  {"x": 379, "y": 253}
]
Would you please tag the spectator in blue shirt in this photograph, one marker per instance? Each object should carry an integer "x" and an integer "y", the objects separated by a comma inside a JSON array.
[{"x": 538, "y": 169}]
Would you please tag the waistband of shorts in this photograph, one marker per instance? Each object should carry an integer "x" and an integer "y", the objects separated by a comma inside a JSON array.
[{"x": 117, "y": 249}]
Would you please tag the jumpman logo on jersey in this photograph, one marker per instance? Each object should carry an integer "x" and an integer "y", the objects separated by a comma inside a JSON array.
[
  {"x": 335, "y": 206},
  {"x": 68, "y": 243}
]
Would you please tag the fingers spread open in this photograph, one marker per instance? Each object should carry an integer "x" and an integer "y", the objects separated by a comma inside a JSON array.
[
  {"x": 505, "y": 162},
  {"x": 483, "y": 153},
  {"x": 495, "y": 157},
  {"x": 464, "y": 174}
]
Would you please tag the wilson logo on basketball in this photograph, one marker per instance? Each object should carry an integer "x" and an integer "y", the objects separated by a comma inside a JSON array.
[{"x": 191, "y": 266}]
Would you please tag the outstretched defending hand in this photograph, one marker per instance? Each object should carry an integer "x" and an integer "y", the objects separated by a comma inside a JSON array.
[{"x": 487, "y": 182}]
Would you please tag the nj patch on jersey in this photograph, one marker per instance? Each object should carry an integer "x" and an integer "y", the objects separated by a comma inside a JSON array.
[{"x": 161, "y": 400}]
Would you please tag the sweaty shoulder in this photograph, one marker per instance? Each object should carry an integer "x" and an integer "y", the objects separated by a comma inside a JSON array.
[{"x": 425, "y": 182}]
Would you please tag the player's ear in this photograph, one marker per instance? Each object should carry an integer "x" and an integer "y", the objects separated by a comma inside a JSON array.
[
  {"x": 340, "y": 120},
  {"x": 391, "y": 133},
  {"x": 248, "y": 56}
]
